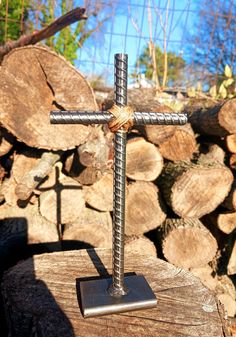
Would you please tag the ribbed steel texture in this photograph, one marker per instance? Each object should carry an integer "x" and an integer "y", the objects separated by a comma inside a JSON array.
[
  {"x": 117, "y": 288},
  {"x": 103, "y": 117}
]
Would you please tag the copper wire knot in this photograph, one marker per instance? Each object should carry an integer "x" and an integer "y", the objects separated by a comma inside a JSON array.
[{"x": 123, "y": 118}]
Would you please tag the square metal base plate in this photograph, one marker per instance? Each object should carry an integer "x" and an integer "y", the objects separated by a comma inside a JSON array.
[{"x": 96, "y": 301}]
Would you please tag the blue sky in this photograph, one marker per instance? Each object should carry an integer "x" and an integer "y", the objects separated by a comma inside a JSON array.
[{"x": 128, "y": 32}]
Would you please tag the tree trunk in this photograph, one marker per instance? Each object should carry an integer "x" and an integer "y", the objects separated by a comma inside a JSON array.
[
  {"x": 144, "y": 161},
  {"x": 219, "y": 120},
  {"x": 100, "y": 194},
  {"x": 144, "y": 208},
  {"x": 193, "y": 190},
  {"x": 174, "y": 142},
  {"x": 41, "y": 299},
  {"x": 91, "y": 227},
  {"x": 36, "y": 81},
  {"x": 231, "y": 143},
  {"x": 186, "y": 243}
]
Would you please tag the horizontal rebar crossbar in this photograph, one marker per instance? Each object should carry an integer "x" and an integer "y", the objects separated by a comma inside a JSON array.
[{"x": 103, "y": 117}]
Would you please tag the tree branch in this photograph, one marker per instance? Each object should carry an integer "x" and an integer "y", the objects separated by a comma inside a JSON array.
[{"x": 74, "y": 15}]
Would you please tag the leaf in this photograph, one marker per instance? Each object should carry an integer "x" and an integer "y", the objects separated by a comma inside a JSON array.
[
  {"x": 223, "y": 91},
  {"x": 199, "y": 86},
  {"x": 213, "y": 91},
  {"x": 191, "y": 92},
  {"x": 228, "y": 71},
  {"x": 228, "y": 82}
]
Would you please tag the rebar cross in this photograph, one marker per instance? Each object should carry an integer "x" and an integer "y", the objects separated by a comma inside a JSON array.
[{"x": 121, "y": 293}]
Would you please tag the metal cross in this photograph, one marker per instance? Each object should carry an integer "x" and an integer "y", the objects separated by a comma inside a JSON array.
[{"x": 120, "y": 293}]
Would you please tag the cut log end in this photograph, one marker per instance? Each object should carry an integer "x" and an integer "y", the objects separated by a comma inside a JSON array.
[
  {"x": 144, "y": 209},
  {"x": 187, "y": 243},
  {"x": 144, "y": 161},
  {"x": 193, "y": 190},
  {"x": 38, "y": 91}
]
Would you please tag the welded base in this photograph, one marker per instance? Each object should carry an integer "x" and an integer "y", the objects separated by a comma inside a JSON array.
[{"x": 96, "y": 301}]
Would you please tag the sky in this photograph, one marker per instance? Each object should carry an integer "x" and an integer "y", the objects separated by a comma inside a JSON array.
[{"x": 128, "y": 31}]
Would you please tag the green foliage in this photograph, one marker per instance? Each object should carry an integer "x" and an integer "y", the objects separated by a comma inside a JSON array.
[
  {"x": 226, "y": 87},
  {"x": 175, "y": 65},
  {"x": 12, "y": 30}
]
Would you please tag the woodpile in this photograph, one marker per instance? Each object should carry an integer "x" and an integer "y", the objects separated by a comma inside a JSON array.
[{"x": 56, "y": 180}]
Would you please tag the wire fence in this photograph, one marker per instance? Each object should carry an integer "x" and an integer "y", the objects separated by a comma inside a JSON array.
[{"x": 194, "y": 37}]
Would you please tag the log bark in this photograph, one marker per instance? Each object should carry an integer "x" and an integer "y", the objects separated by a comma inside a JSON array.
[
  {"x": 144, "y": 208},
  {"x": 193, "y": 190},
  {"x": 27, "y": 97},
  {"x": 100, "y": 194},
  {"x": 231, "y": 143},
  {"x": 39, "y": 297},
  {"x": 74, "y": 15},
  {"x": 230, "y": 200},
  {"x": 144, "y": 161},
  {"x": 91, "y": 227},
  {"x": 186, "y": 243},
  {"x": 36, "y": 175},
  {"x": 231, "y": 268},
  {"x": 63, "y": 201},
  {"x": 174, "y": 142},
  {"x": 219, "y": 120}
]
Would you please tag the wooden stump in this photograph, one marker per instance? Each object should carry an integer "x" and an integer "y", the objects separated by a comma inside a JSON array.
[
  {"x": 187, "y": 243},
  {"x": 193, "y": 190},
  {"x": 41, "y": 299}
]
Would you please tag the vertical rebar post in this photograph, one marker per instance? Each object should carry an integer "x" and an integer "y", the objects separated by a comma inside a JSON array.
[{"x": 117, "y": 288}]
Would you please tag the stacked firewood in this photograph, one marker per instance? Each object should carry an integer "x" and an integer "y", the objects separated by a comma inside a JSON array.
[{"x": 56, "y": 180}]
